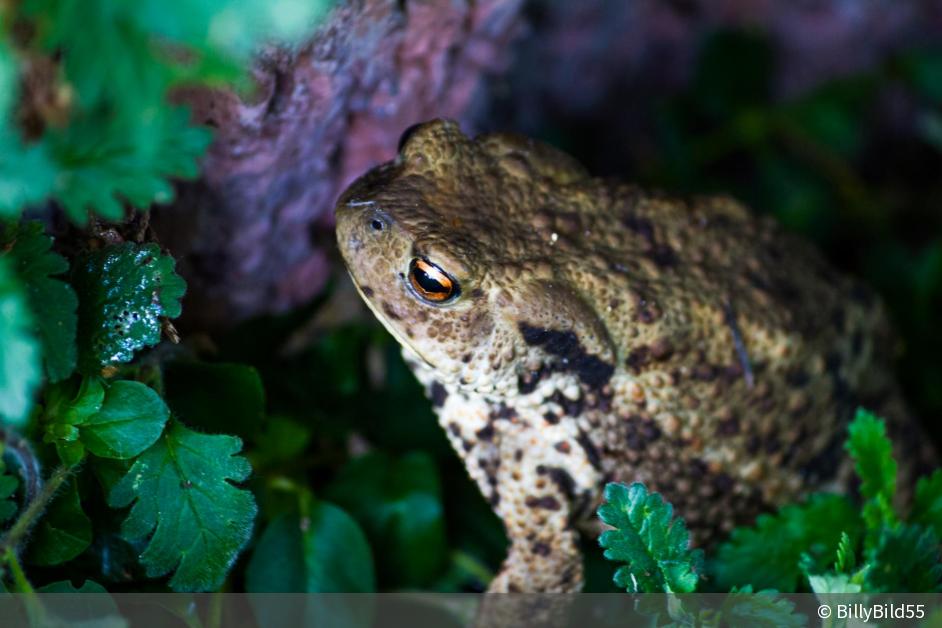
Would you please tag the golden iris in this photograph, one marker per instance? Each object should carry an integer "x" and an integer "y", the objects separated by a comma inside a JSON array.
[{"x": 431, "y": 282}]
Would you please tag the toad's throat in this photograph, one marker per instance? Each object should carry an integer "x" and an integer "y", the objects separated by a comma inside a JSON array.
[{"x": 383, "y": 318}]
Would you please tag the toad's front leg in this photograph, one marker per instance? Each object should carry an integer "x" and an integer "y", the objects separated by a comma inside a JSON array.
[{"x": 537, "y": 497}]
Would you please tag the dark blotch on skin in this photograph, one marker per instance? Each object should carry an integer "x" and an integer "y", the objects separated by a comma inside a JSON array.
[
  {"x": 388, "y": 311},
  {"x": 591, "y": 453},
  {"x": 663, "y": 256},
  {"x": 551, "y": 418},
  {"x": 541, "y": 549},
  {"x": 503, "y": 411},
  {"x": 547, "y": 502},
  {"x": 593, "y": 371},
  {"x": 728, "y": 427},
  {"x": 485, "y": 433},
  {"x": 528, "y": 382},
  {"x": 438, "y": 394},
  {"x": 366, "y": 290},
  {"x": 638, "y": 358},
  {"x": 563, "y": 480},
  {"x": 640, "y": 432},
  {"x": 571, "y": 407}
]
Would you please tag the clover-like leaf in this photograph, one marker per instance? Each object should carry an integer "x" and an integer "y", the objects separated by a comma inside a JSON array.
[
  {"x": 184, "y": 500},
  {"x": 399, "y": 504},
  {"x": 20, "y": 368},
  {"x": 124, "y": 291},
  {"x": 52, "y": 301},
  {"x": 130, "y": 420},
  {"x": 319, "y": 549},
  {"x": 117, "y": 420},
  {"x": 654, "y": 544}
]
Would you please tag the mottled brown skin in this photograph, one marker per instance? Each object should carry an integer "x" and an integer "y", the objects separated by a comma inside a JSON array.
[{"x": 604, "y": 334}]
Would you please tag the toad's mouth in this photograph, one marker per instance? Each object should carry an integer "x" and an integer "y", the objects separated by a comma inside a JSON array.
[{"x": 398, "y": 335}]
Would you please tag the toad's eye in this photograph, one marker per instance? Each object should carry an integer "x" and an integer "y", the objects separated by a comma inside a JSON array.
[{"x": 430, "y": 282}]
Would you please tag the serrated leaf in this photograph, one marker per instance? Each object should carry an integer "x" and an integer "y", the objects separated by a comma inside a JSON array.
[
  {"x": 52, "y": 301},
  {"x": 104, "y": 164},
  {"x": 64, "y": 531},
  {"x": 183, "y": 499},
  {"x": 26, "y": 175},
  {"x": 906, "y": 560},
  {"x": 767, "y": 555},
  {"x": 872, "y": 452},
  {"x": 124, "y": 145},
  {"x": 927, "y": 505},
  {"x": 124, "y": 290},
  {"x": 20, "y": 369},
  {"x": 763, "y": 608},
  {"x": 846, "y": 559},
  {"x": 130, "y": 420},
  {"x": 650, "y": 540}
]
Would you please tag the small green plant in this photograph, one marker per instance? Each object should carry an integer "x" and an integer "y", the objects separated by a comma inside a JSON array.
[
  {"x": 653, "y": 544},
  {"x": 79, "y": 389},
  {"x": 826, "y": 544}
]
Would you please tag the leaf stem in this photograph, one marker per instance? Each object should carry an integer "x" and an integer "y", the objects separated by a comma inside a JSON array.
[
  {"x": 34, "y": 609},
  {"x": 34, "y": 509},
  {"x": 20, "y": 582}
]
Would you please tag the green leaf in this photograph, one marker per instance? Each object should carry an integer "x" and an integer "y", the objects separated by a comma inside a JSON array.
[
  {"x": 184, "y": 500},
  {"x": 319, "y": 549},
  {"x": 97, "y": 610},
  {"x": 872, "y": 452},
  {"x": 846, "y": 559},
  {"x": 398, "y": 502},
  {"x": 216, "y": 397},
  {"x": 26, "y": 176},
  {"x": 906, "y": 560},
  {"x": 105, "y": 160},
  {"x": 64, "y": 532},
  {"x": 833, "y": 583},
  {"x": 767, "y": 555},
  {"x": 19, "y": 350},
  {"x": 763, "y": 608},
  {"x": 124, "y": 145},
  {"x": 130, "y": 420},
  {"x": 927, "y": 506},
  {"x": 124, "y": 290},
  {"x": 281, "y": 441},
  {"x": 8, "y": 486},
  {"x": 52, "y": 301},
  {"x": 66, "y": 586},
  {"x": 654, "y": 545}
]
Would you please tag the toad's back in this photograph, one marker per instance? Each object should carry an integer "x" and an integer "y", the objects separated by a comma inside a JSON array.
[{"x": 571, "y": 331}]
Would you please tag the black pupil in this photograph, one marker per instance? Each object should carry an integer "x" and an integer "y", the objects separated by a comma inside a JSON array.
[
  {"x": 428, "y": 283},
  {"x": 377, "y": 225}
]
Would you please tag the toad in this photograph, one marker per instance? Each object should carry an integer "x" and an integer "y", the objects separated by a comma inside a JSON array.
[{"x": 572, "y": 331}]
